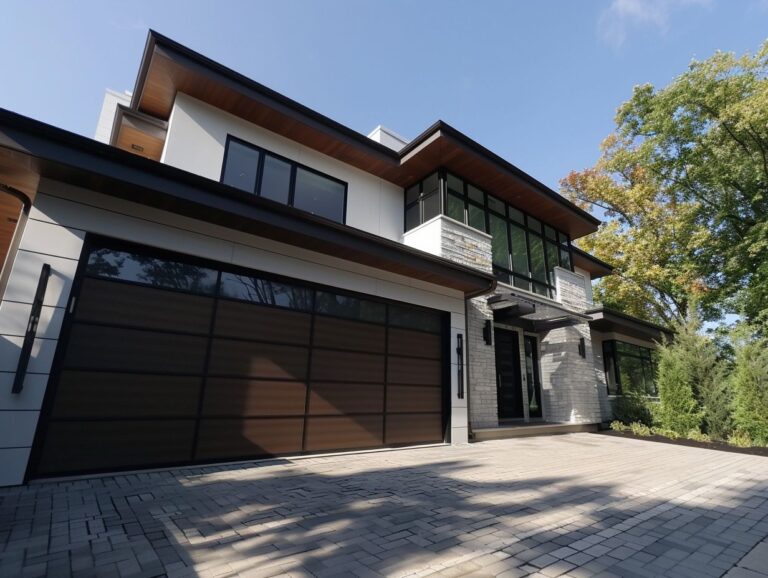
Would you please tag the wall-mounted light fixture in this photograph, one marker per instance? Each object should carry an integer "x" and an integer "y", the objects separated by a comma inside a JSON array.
[
  {"x": 488, "y": 332},
  {"x": 460, "y": 364},
  {"x": 582, "y": 347}
]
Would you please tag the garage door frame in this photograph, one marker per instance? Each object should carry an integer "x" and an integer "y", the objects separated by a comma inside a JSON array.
[{"x": 69, "y": 321}]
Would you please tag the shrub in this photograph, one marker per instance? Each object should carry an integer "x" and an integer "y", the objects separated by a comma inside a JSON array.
[
  {"x": 715, "y": 395},
  {"x": 667, "y": 433},
  {"x": 678, "y": 409},
  {"x": 697, "y": 436},
  {"x": 640, "y": 429},
  {"x": 750, "y": 386},
  {"x": 632, "y": 407},
  {"x": 740, "y": 439},
  {"x": 616, "y": 425}
]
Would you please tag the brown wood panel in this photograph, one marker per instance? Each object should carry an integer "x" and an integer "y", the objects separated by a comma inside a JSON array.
[
  {"x": 91, "y": 394},
  {"x": 250, "y": 397},
  {"x": 417, "y": 343},
  {"x": 74, "y": 446},
  {"x": 351, "y": 335},
  {"x": 412, "y": 398},
  {"x": 414, "y": 428},
  {"x": 147, "y": 307},
  {"x": 330, "y": 433},
  {"x": 409, "y": 370},
  {"x": 249, "y": 321},
  {"x": 345, "y": 398},
  {"x": 253, "y": 359},
  {"x": 232, "y": 438},
  {"x": 330, "y": 365},
  {"x": 111, "y": 348}
]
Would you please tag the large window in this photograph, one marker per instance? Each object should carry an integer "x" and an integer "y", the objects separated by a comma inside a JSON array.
[
  {"x": 525, "y": 251},
  {"x": 258, "y": 171},
  {"x": 628, "y": 368}
]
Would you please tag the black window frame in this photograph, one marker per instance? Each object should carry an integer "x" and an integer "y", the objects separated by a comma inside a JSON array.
[
  {"x": 504, "y": 274},
  {"x": 612, "y": 364},
  {"x": 292, "y": 186}
]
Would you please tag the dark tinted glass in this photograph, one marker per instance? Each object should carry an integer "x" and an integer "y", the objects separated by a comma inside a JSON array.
[
  {"x": 522, "y": 284},
  {"x": 128, "y": 266},
  {"x": 550, "y": 233},
  {"x": 516, "y": 215},
  {"x": 553, "y": 260},
  {"x": 475, "y": 194},
  {"x": 538, "y": 267},
  {"x": 413, "y": 318},
  {"x": 454, "y": 207},
  {"x": 412, "y": 194},
  {"x": 411, "y": 217},
  {"x": 495, "y": 204},
  {"x": 240, "y": 166},
  {"x": 258, "y": 290},
  {"x": 275, "y": 180},
  {"x": 534, "y": 224},
  {"x": 519, "y": 250},
  {"x": 541, "y": 289},
  {"x": 430, "y": 184},
  {"x": 431, "y": 205},
  {"x": 350, "y": 307},
  {"x": 319, "y": 195},
  {"x": 455, "y": 185},
  {"x": 477, "y": 217},
  {"x": 563, "y": 238},
  {"x": 565, "y": 259},
  {"x": 501, "y": 275},
  {"x": 499, "y": 243}
]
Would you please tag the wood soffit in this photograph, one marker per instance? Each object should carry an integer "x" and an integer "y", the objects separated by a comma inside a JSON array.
[{"x": 168, "y": 68}]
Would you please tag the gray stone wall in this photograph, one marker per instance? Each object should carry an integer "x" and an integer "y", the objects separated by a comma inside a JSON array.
[
  {"x": 465, "y": 245},
  {"x": 482, "y": 366}
]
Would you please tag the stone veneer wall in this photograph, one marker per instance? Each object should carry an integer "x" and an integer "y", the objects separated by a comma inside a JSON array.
[{"x": 570, "y": 383}]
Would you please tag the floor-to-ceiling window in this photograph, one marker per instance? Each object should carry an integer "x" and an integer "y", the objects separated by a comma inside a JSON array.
[{"x": 629, "y": 368}]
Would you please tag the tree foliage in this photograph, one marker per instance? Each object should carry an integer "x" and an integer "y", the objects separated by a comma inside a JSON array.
[
  {"x": 750, "y": 385},
  {"x": 683, "y": 184}
]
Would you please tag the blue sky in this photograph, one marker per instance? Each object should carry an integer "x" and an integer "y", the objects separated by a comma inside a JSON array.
[{"x": 536, "y": 82}]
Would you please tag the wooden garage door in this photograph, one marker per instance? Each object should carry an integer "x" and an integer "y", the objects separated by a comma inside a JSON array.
[{"x": 165, "y": 360}]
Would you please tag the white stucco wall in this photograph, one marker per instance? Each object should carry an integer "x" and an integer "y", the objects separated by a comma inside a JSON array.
[
  {"x": 197, "y": 134},
  {"x": 54, "y": 234},
  {"x": 587, "y": 283}
]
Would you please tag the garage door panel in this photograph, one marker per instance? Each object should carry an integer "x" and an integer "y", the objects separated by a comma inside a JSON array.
[
  {"x": 253, "y": 359},
  {"x": 350, "y": 335},
  {"x": 140, "y": 306},
  {"x": 97, "y": 394},
  {"x": 414, "y": 343},
  {"x": 328, "y": 433},
  {"x": 235, "y": 319},
  {"x": 411, "y": 428},
  {"x": 236, "y": 438},
  {"x": 330, "y": 365},
  {"x": 250, "y": 397},
  {"x": 408, "y": 370},
  {"x": 111, "y": 348},
  {"x": 345, "y": 398},
  {"x": 78, "y": 446},
  {"x": 412, "y": 398}
]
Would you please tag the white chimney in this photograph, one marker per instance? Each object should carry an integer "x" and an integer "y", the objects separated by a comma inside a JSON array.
[
  {"x": 107, "y": 116},
  {"x": 388, "y": 138}
]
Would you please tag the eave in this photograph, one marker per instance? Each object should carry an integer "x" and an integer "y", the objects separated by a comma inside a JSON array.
[
  {"x": 595, "y": 267},
  {"x": 30, "y": 150},
  {"x": 607, "y": 320}
]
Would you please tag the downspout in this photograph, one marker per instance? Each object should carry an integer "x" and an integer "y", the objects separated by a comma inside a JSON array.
[{"x": 467, "y": 296}]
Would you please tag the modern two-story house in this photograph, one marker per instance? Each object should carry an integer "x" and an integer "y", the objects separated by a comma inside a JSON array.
[{"x": 226, "y": 274}]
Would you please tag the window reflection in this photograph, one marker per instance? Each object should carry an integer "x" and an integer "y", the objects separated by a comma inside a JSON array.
[{"x": 265, "y": 291}]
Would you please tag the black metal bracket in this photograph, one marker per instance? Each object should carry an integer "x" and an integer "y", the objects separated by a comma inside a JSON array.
[
  {"x": 29, "y": 337},
  {"x": 460, "y": 364}
]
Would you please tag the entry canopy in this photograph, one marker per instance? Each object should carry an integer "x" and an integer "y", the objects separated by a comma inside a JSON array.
[{"x": 537, "y": 314}]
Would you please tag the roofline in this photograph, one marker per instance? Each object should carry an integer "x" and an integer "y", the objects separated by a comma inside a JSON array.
[
  {"x": 42, "y": 141},
  {"x": 592, "y": 258},
  {"x": 155, "y": 39},
  {"x": 609, "y": 311}
]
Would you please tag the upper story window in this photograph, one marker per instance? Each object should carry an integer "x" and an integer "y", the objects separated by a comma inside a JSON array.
[
  {"x": 525, "y": 251},
  {"x": 263, "y": 173},
  {"x": 629, "y": 367}
]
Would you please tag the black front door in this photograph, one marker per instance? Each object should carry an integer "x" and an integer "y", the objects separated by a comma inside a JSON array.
[{"x": 509, "y": 388}]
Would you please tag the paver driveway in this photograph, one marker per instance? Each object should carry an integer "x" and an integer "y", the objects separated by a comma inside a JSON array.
[{"x": 580, "y": 505}]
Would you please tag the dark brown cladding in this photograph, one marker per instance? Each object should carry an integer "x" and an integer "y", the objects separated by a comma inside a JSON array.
[{"x": 169, "y": 67}]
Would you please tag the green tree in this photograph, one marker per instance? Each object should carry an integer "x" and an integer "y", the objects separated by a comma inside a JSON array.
[
  {"x": 690, "y": 161},
  {"x": 750, "y": 384}
]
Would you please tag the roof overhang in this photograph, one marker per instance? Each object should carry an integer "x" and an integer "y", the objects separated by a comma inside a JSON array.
[
  {"x": 169, "y": 67},
  {"x": 609, "y": 321},
  {"x": 30, "y": 150},
  {"x": 595, "y": 267},
  {"x": 138, "y": 133},
  {"x": 535, "y": 314}
]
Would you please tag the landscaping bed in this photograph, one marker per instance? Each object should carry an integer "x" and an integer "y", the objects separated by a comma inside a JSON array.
[{"x": 711, "y": 445}]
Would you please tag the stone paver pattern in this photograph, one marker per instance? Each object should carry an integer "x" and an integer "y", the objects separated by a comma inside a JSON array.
[{"x": 574, "y": 505}]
